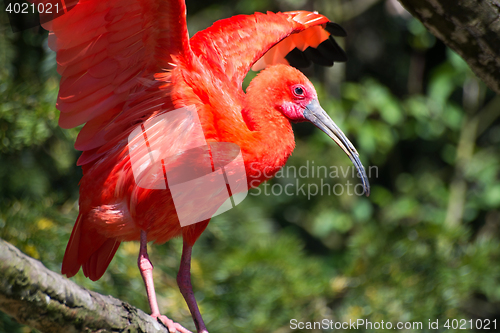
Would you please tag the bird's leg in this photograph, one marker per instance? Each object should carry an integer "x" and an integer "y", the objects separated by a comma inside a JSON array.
[
  {"x": 146, "y": 268},
  {"x": 184, "y": 282}
]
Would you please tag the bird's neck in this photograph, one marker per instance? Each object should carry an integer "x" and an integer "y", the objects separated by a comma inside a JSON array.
[
  {"x": 254, "y": 123},
  {"x": 270, "y": 138}
]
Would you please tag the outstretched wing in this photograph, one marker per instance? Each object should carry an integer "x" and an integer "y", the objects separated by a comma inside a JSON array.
[
  {"x": 297, "y": 38},
  {"x": 107, "y": 54}
]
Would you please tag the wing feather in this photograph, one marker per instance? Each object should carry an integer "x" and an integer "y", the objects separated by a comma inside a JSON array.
[
  {"x": 107, "y": 55},
  {"x": 266, "y": 39}
]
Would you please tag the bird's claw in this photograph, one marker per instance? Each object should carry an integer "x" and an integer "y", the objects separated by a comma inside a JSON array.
[{"x": 172, "y": 326}]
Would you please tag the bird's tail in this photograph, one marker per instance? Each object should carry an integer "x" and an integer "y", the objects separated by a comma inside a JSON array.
[{"x": 88, "y": 249}]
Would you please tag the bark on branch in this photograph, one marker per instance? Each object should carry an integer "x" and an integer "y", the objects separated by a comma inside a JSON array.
[
  {"x": 49, "y": 302},
  {"x": 470, "y": 27}
]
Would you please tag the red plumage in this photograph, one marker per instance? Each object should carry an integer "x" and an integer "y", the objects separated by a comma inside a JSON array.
[{"x": 124, "y": 62}]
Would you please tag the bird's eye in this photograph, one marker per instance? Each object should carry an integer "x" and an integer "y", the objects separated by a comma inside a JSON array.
[{"x": 298, "y": 91}]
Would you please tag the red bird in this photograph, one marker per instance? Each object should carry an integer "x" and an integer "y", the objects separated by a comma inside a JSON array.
[{"x": 125, "y": 62}]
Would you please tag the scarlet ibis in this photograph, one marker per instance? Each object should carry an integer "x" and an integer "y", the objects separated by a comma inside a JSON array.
[{"x": 124, "y": 62}]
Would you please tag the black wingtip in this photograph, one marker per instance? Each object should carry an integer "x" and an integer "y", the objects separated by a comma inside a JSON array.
[
  {"x": 317, "y": 57},
  {"x": 338, "y": 54},
  {"x": 297, "y": 58},
  {"x": 326, "y": 53},
  {"x": 330, "y": 49},
  {"x": 335, "y": 30}
]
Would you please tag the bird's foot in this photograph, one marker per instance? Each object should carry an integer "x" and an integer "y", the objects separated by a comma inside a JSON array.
[{"x": 172, "y": 326}]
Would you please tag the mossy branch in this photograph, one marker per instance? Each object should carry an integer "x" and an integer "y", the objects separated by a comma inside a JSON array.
[
  {"x": 469, "y": 27},
  {"x": 49, "y": 302}
]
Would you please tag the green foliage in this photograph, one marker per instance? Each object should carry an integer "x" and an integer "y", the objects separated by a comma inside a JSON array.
[{"x": 423, "y": 246}]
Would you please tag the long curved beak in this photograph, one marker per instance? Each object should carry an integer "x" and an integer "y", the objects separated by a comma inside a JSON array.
[{"x": 316, "y": 115}]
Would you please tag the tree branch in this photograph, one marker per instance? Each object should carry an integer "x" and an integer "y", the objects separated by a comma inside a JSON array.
[
  {"x": 470, "y": 27},
  {"x": 49, "y": 302}
]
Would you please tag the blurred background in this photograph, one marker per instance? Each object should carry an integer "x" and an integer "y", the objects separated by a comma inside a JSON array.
[{"x": 424, "y": 245}]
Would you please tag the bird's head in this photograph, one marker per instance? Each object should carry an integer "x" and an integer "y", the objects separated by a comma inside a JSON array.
[{"x": 292, "y": 94}]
